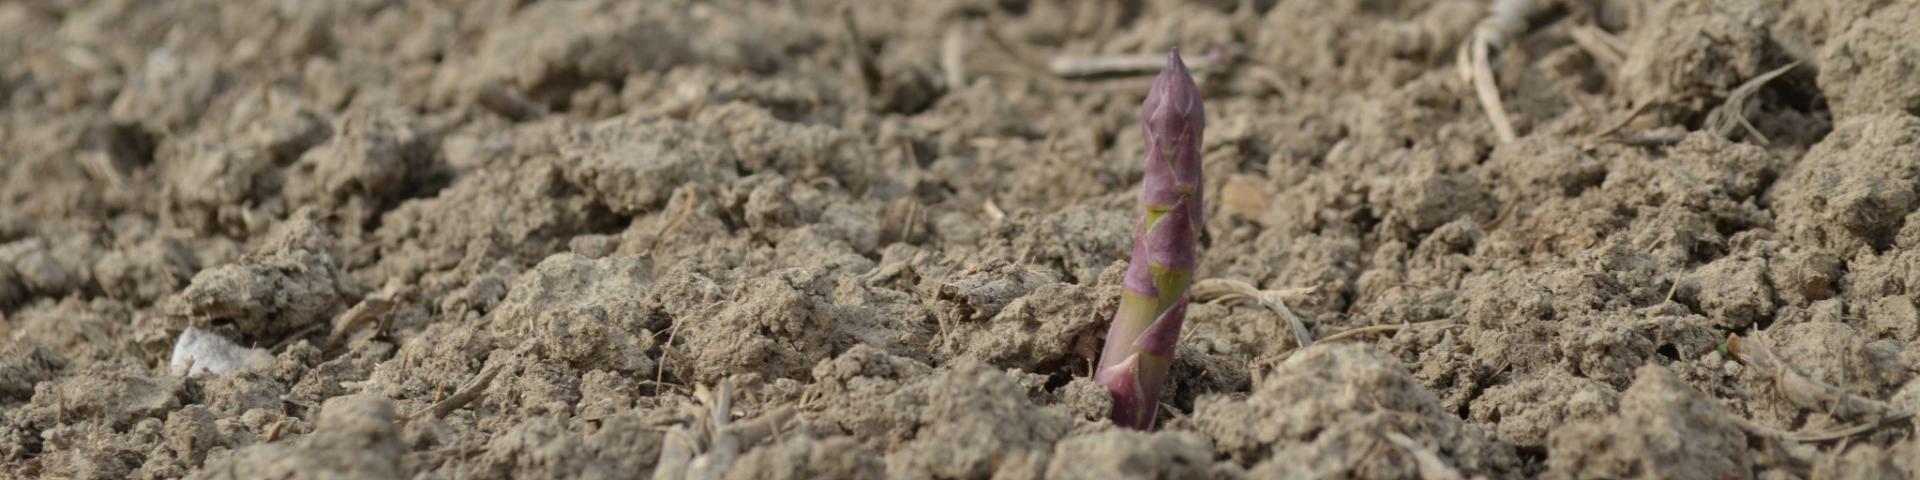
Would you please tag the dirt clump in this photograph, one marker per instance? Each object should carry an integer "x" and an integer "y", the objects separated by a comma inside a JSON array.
[
  {"x": 147, "y": 271},
  {"x": 1129, "y": 454},
  {"x": 355, "y": 436},
  {"x": 986, "y": 413},
  {"x": 1734, "y": 291},
  {"x": 1862, "y": 67},
  {"x": 1318, "y": 411},
  {"x": 572, "y": 309},
  {"x": 1663, "y": 428},
  {"x": 1694, "y": 56},
  {"x": 1852, "y": 192},
  {"x": 806, "y": 457},
  {"x": 955, "y": 419},
  {"x": 372, "y": 160},
  {"x": 1009, "y": 316},
  {"x": 1527, "y": 413},
  {"x": 728, "y": 339},
  {"x": 291, "y": 283},
  {"x": 112, "y": 398},
  {"x": 633, "y": 164}
]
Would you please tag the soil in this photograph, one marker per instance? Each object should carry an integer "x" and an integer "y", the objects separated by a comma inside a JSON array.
[{"x": 829, "y": 239}]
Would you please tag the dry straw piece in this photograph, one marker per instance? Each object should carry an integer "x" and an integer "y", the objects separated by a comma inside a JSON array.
[{"x": 1506, "y": 20}]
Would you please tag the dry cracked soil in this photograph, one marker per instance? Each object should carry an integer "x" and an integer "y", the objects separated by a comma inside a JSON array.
[{"x": 881, "y": 239}]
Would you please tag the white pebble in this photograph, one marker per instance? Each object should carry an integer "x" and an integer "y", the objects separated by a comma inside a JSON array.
[{"x": 207, "y": 352}]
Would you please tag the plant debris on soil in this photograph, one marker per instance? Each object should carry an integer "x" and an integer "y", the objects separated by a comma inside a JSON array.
[{"x": 839, "y": 239}]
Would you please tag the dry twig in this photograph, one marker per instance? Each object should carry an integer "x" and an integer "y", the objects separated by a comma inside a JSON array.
[
  {"x": 371, "y": 311},
  {"x": 660, "y": 367},
  {"x": 1843, "y": 433},
  {"x": 1593, "y": 140},
  {"x": 953, "y": 57},
  {"x": 691, "y": 201},
  {"x": 1506, "y": 20},
  {"x": 905, "y": 221},
  {"x": 1848, "y": 432},
  {"x": 1606, "y": 49},
  {"x": 1803, "y": 391},
  {"x": 706, "y": 448},
  {"x": 1429, "y": 463},
  {"x": 1077, "y": 66},
  {"x": 1721, "y": 121},
  {"x": 862, "y": 59},
  {"x": 466, "y": 394},
  {"x": 1654, "y": 139},
  {"x": 1357, "y": 332},
  {"x": 1481, "y": 73},
  {"x": 993, "y": 211}
]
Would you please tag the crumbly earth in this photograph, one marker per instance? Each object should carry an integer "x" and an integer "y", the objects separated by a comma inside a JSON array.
[{"x": 838, "y": 239}]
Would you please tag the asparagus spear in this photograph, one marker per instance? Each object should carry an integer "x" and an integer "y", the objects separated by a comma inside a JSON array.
[{"x": 1153, "y": 301}]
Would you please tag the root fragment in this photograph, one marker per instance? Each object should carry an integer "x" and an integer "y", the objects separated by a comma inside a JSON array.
[
  {"x": 1430, "y": 464},
  {"x": 466, "y": 394},
  {"x": 1594, "y": 140},
  {"x": 1803, "y": 391},
  {"x": 690, "y": 200},
  {"x": 1756, "y": 352},
  {"x": 1223, "y": 290},
  {"x": 953, "y": 57},
  {"x": 1481, "y": 73},
  {"x": 1357, "y": 332},
  {"x": 994, "y": 214},
  {"x": 373, "y": 311},
  {"x": 1506, "y": 20},
  {"x": 708, "y": 447},
  {"x": 1607, "y": 50}
]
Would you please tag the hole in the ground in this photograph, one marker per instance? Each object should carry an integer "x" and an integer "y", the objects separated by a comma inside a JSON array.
[
  {"x": 1669, "y": 351},
  {"x": 556, "y": 90},
  {"x": 126, "y": 147},
  {"x": 1791, "y": 110}
]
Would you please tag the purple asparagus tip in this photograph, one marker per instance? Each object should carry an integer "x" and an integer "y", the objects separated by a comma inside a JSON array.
[{"x": 1141, "y": 341}]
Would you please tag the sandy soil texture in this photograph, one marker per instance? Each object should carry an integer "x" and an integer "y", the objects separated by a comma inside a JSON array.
[{"x": 882, "y": 239}]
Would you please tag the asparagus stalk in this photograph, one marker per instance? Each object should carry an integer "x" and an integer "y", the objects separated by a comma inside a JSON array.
[{"x": 1153, "y": 300}]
